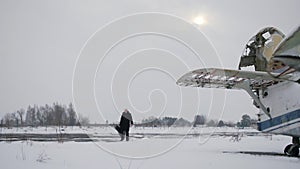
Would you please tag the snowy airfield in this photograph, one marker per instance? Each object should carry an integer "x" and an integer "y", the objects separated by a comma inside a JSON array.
[{"x": 148, "y": 148}]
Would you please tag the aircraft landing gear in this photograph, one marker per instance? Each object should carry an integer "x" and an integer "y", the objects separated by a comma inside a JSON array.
[{"x": 293, "y": 149}]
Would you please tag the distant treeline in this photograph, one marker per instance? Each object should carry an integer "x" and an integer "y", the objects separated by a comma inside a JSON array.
[
  {"x": 62, "y": 115},
  {"x": 199, "y": 120},
  {"x": 163, "y": 122},
  {"x": 55, "y": 114}
]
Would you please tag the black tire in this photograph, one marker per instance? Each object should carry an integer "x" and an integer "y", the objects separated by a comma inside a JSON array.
[
  {"x": 287, "y": 149},
  {"x": 292, "y": 150}
]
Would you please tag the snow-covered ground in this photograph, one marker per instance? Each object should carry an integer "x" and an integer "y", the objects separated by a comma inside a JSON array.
[
  {"x": 148, "y": 152},
  {"x": 135, "y": 130}
]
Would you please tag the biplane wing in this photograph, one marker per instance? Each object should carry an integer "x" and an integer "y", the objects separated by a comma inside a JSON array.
[
  {"x": 231, "y": 79},
  {"x": 227, "y": 79},
  {"x": 290, "y": 45},
  {"x": 288, "y": 51}
]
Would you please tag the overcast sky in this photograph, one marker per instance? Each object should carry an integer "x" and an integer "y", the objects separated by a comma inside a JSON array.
[{"x": 41, "y": 42}]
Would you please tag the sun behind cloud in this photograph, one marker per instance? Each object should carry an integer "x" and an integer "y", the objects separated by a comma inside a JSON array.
[{"x": 199, "y": 20}]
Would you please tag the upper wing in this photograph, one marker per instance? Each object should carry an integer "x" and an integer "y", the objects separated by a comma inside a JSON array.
[
  {"x": 290, "y": 45},
  {"x": 228, "y": 79},
  {"x": 288, "y": 52}
]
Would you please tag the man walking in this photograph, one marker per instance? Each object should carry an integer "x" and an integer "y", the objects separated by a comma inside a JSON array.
[{"x": 125, "y": 123}]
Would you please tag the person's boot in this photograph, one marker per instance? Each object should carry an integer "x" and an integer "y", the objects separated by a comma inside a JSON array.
[
  {"x": 122, "y": 136},
  {"x": 127, "y": 138}
]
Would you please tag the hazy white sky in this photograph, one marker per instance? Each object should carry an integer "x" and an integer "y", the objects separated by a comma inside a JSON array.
[{"x": 41, "y": 40}]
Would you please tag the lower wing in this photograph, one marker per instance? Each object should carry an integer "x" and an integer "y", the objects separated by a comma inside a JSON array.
[{"x": 227, "y": 79}]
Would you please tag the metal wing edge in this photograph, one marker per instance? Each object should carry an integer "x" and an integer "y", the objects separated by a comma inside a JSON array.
[{"x": 226, "y": 78}]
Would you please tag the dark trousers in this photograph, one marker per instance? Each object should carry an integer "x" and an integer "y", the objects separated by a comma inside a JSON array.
[{"x": 125, "y": 133}]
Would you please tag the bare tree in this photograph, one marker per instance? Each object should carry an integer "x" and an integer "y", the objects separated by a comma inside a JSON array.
[
  {"x": 21, "y": 114},
  {"x": 72, "y": 117},
  {"x": 31, "y": 116},
  {"x": 39, "y": 116},
  {"x": 48, "y": 114},
  {"x": 8, "y": 120},
  {"x": 15, "y": 118},
  {"x": 199, "y": 120},
  {"x": 59, "y": 114}
]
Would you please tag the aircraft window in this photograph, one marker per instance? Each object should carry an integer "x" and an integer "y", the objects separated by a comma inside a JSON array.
[
  {"x": 266, "y": 35},
  {"x": 239, "y": 79},
  {"x": 232, "y": 78},
  {"x": 248, "y": 68}
]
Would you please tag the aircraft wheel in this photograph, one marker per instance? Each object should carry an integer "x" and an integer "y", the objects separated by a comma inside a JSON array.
[
  {"x": 292, "y": 150},
  {"x": 287, "y": 148}
]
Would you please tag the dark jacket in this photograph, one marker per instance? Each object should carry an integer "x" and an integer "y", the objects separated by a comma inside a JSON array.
[{"x": 125, "y": 121}]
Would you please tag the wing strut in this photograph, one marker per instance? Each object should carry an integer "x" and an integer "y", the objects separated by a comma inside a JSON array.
[{"x": 246, "y": 86}]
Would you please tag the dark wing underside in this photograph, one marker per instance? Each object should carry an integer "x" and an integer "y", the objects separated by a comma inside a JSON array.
[{"x": 226, "y": 79}]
